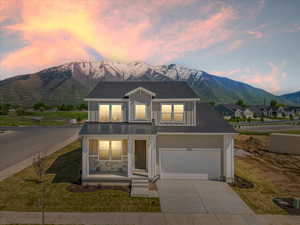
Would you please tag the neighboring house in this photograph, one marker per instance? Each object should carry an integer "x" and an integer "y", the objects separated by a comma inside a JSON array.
[
  {"x": 151, "y": 129},
  {"x": 275, "y": 111},
  {"x": 292, "y": 110},
  {"x": 248, "y": 113},
  {"x": 234, "y": 111}
]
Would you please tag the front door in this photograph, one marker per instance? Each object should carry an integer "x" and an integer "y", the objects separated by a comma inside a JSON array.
[{"x": 140, "y": 154}]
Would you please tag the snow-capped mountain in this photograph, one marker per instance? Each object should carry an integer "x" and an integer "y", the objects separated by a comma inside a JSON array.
[{"x": 71, "y": 82}]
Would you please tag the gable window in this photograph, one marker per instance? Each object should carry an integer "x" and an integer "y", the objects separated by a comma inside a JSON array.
[
  {"x": 140, "y": 112},
  {"x": 110, "y": 113},
  {"x": 172, "y": 112},
  {"x": 110, "y": 150}
]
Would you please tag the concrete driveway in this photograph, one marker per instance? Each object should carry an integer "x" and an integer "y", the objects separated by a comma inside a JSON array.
[{"x": 197, "y": 196}]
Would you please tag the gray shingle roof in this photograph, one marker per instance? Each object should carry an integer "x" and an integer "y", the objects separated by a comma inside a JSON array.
[
  {"x": 162, "y": 89},
  {"x": 208, "y": 121}
]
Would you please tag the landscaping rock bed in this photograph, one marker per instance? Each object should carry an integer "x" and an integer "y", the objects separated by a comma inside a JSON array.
[
  {"x": 92, "y": 188},
  {"x": 287, "y": 205},
  {"x": 242, "y": 183}
]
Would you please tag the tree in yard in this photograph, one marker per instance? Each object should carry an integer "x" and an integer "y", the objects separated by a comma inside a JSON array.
[
  {"x": 241, "y": 103},
  {"x": 212, "y": 103},
  {"x": 291, "y": 117},
  {"x": 82, "y": 107},
  {"x": 40, "y": 167},
  {"x": 273, "y": 103},
  {"x": 4, "y": 109},
  {"x": 20, "y": 111},
  {"x": 40, "y": 106}
]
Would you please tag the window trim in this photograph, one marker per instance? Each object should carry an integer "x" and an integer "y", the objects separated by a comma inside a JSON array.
[
  {"x": 172, "y": 113},
  {"x": 110, "y": 112},
  {"x": 134, "y": 112},
  {"x": 110, "y": 152}
]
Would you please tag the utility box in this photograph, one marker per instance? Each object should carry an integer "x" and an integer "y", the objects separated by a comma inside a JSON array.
[{"x": 296, "y": 203}]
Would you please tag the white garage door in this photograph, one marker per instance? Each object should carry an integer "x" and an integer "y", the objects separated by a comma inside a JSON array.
[{"x": 190, "y": 163}]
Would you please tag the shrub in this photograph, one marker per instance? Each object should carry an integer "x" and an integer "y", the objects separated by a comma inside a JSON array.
[
  {"x": 4, "y": 109},
  {"x": 20, "y": 111},
  {"x": 40, "y": 106}
]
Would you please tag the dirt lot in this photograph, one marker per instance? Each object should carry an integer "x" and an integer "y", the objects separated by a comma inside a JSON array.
[{"x": 274, "y": 175}]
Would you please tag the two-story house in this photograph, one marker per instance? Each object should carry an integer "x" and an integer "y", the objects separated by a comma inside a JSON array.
[{"x": 151, "y": 129}]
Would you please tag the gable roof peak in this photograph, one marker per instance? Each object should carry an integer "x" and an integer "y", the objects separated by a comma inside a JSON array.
[{"x": 140, "y": 89}]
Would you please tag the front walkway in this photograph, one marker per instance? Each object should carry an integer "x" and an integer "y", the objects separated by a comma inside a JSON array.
[
  {"x": 145, "y": 219},
  {"x": 196, "y": 196}
]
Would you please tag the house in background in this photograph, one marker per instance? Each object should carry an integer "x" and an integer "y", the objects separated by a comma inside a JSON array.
[
  {"x": 153, "y": 129},
  {"x": 234, "y": 111}
]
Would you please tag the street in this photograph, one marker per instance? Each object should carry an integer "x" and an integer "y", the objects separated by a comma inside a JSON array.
[{"x": 20, "y": 143}]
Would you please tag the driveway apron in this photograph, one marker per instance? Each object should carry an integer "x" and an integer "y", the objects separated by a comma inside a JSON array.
[{"x": 200, "y": 196}]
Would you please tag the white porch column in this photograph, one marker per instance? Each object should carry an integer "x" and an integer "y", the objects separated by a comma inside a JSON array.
[
  {"x": 85, "y": 157},
  {"x": 228, "y": 158},
  {"x": 154, "y": 155},
  {"x": 130, "y": 152},
  {"x": 149, "y": 156}
]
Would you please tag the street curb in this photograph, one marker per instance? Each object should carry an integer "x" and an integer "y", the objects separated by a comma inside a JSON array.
[{"x": 27, "y": 162}]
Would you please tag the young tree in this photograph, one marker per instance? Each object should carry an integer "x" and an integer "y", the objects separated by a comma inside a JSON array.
[
  {"x": 20, "y": 111},
  {"x": 240, "y": 102},
  {"x": 40, "y": 167},
  {"x": 273, "y": 103},
  {"x": 40, "y": 106},
  {"x": 4, "y": 109},
  {"x": 212, "y": 103}
]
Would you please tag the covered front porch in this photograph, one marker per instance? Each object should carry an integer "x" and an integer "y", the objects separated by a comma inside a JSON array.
[{"x": 118, "y": 157}]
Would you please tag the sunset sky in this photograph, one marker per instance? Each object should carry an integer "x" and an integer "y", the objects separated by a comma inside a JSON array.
[{"x": 254, "y": 41}]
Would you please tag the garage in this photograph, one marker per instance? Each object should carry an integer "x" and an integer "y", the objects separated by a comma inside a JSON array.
[{"x": 190, "y": 163}]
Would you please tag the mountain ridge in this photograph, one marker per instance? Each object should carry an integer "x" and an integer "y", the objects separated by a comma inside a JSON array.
[
  {"x": 293, "y": 97},
  {"x": 71, "y": 82}
]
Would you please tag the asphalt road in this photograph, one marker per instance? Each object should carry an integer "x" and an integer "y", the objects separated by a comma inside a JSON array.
[{"x": 20, "y": 143}]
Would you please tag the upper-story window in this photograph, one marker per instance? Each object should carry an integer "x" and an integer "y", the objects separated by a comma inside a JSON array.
[
  {"x": 110, "y": 113},
  {"x": 172, "y": 112},
  {"x": 140, "y": 112}
]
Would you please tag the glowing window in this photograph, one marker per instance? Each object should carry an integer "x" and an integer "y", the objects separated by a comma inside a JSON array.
[
  {"x": 110, "y": 150},
  {"x": 110, "y": 113},
  {"x": 140, "y": 112},
  {"x": 104, "y": 113},
  {"x": 116, "y": 113},
  {"x": 116, "y": 150},
  {"x": 104, "y": 150},
  {"x": 178, "y": 112},
  {"x": 172, "y": 112},
  {"x": 166, "y": 112}
]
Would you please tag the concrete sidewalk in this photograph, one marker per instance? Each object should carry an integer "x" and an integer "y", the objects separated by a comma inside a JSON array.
[{"x": 145, "y": 219}]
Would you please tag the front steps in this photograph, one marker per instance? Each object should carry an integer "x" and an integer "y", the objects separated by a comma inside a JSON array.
[{"x": 140, "y": 188}]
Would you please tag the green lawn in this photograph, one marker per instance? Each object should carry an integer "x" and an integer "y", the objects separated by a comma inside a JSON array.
[
  {"x": 21, "y": 192},
  {"x": 47, "y": 118}
]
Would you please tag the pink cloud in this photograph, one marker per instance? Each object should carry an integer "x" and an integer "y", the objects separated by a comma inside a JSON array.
[
  {"x": 59, "y": 31},
  {"x": 256, "y": 34},
  {"x": 270, "y": 80}
]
